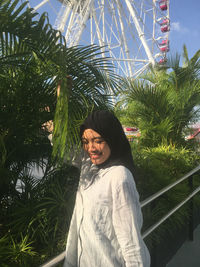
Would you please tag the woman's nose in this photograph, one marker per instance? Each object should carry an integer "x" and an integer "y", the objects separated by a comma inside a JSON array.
[{"x": 91, "y": 146}]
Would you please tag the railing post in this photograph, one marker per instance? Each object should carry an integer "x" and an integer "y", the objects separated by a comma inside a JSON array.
[{"x": 191, "y": 211}]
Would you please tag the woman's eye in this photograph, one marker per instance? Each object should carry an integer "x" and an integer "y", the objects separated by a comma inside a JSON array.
[{"x": 99, "y": 141}]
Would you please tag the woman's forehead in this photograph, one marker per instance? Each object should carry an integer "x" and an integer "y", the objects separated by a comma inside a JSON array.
[{"x": 89, "y": 133}]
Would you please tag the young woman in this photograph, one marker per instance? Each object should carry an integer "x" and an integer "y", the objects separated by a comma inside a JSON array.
[{"x": 106, "y": 222}]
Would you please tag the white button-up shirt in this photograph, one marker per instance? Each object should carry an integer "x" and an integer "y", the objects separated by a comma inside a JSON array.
[{"x": 106, "y": 222}]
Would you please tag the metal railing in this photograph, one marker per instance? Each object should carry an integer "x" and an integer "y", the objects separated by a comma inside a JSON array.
[
  {"x": 58, "y": 259},
  {"x": 164, "y": 190}
]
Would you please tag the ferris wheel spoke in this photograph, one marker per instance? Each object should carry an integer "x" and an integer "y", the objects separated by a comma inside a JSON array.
[
  {"x": 98, "y": 29},
  {"x": 62, "y": 17},
  {"x": 83, "y": 22},
  {"x": 73, "y": 29},
  {"x": 41, "y": 4},
  {"x": 123, "y": 40},
  {"x": 142, "y": 69},
  {"x": 140, "y": 33}
]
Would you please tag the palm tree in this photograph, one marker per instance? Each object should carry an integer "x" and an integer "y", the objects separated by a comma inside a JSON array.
[
  {"x": 27, "y": 43},
  {"x": 163, "y": 102},
  {"x": 34, "y": 60}
]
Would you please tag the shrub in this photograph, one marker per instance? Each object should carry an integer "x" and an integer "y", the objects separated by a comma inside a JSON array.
[{"x": 157, "y": 168}]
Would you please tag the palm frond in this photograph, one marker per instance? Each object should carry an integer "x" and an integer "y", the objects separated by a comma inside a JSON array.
[{"x": 185, "y": 56}]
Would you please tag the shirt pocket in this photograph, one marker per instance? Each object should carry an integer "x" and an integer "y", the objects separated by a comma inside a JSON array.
[{"x": 102, "y": 219}]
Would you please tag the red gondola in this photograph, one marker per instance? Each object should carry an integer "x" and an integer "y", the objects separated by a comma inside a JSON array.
[
  {"x": 164, "y": 45},
  {"x": 164, "y": 25},
  {"x": 162, "y": 61},
  {"x": 163, "y": 5}
]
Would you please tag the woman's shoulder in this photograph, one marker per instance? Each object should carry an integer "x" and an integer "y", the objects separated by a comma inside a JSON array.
[
  {"x": 120, "y": 170},
  {"x": 119, "y": 174}
]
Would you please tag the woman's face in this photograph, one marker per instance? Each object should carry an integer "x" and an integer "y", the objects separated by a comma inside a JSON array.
[{"x": 96, "y": 147}]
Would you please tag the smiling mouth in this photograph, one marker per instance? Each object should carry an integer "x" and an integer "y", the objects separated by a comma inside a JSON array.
[{"x": 95, "y": 156}]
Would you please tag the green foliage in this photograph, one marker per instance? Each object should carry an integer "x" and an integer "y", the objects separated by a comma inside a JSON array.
[
  {"x": 17, "y": 253},
  {"x": 163, "y": 103},
  {"x": 34, "y": 59},
  {"x": 40, "y": 212},
  {"x": 162, "y": 165},
  {"x": 158, "y": 167}
]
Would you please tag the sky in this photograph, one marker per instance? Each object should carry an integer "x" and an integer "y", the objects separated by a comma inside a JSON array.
[{"x": 185, "y": 26}]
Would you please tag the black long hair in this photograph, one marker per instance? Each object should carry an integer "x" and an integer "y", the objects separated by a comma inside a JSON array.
[{"x": 108, "y": 126}]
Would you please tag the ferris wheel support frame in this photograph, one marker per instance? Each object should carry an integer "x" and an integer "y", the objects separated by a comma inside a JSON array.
[
  {"x": 65, "y": 13},
  {"x": 124, "y": 36},
  {"x": 86, "y": 9},
  {"x": 140, "y": 32},
  {"x": 85, "y": 18},
  {"x": 41, "y": 4},
  {"x": 78, "y": 15}
]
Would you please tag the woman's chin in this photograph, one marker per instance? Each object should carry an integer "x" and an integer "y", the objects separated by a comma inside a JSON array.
[{"x": 96, "y": 161}]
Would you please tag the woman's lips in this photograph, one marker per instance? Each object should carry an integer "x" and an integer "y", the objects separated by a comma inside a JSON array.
[{"x": 95, "y": 156}]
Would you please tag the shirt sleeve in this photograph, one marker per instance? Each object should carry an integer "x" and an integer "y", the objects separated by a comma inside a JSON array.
[
  {"x": 72, "y": 241},
  {"x": 127, "y": 221}
]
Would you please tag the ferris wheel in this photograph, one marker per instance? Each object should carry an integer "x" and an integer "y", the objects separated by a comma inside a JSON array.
[{"x": 132, "y": 33}]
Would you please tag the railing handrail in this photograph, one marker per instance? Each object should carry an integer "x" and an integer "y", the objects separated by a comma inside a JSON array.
[
  {"x": 55, "y": 260},
  {"x": 164, "y": 218},
  {"x": 61, "y": 256},
  {"x": 167, "y": 188}
]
